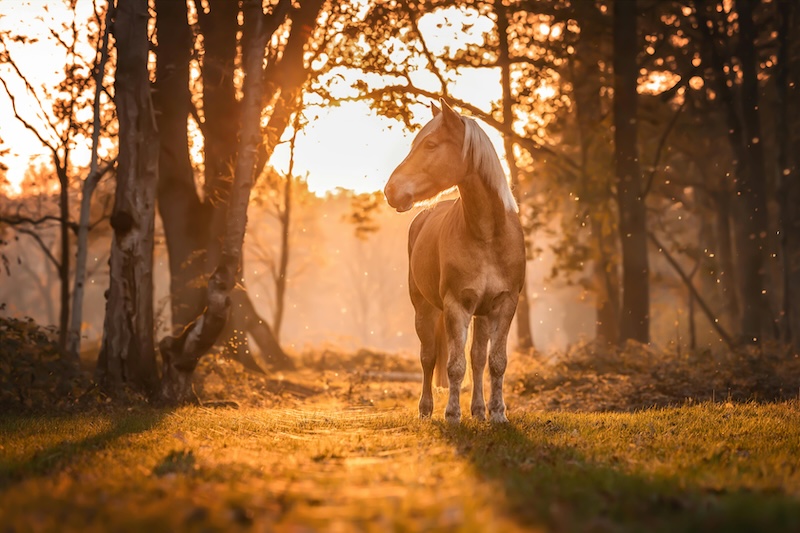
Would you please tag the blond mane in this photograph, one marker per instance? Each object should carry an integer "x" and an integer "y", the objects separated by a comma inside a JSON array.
[{"x": 480, "y": 150}]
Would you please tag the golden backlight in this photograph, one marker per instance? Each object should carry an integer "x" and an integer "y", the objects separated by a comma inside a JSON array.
[{"x": 348, "y": 147}]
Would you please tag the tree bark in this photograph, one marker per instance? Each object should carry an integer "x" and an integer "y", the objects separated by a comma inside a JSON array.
[
  {"x": 270, "y": 356},
  {"x": 788, "y": 172},
  {"x": 752, "y": 244},
  {"x": 127, "y": 355},
  {"x": 594, "y": 157},
  {"x": 749, "y": 200},
  {"x": 63, "y": 266},
  {"x": 285, "y": 219},
  {"x": 222, "y": 116},
  {"x": 727, "y": 273},
  {"x": 635, "y": 317},
  {"x": 524, "y": 333},
  {"x": 182, "y": 213},
  {"x": 181, "y": 354}
]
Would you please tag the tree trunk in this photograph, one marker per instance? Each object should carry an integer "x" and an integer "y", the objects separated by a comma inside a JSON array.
[
  {"x": 749, "y": 201},
  {"x": 524, "y": 333},
  {"x": 595, "y": 155},
  {"x": 87, "y": 191},
  {"x": 727, "y": 269},
  {"x": 606, "y": 280},
  {"x": 180, "y": 355},
  {"x": 222, "y": 115},
  {"x": 289, "y": 77},
  {"x": 752, "y": 244},
  {"x": 63, "y": 267},
  {"x": 219, "y": 101},
  {"x": 127, "y": 355},
  {"x": 635, "y": 317},
  {"x": 789, "y": 174},
  {"x": 285, "y": 218},
  {"x": 183, "y": 215},
  {"x": 270, "y": 355}
]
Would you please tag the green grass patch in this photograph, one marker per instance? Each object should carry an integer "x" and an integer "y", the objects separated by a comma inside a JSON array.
[{"x": 327, "y": 466}]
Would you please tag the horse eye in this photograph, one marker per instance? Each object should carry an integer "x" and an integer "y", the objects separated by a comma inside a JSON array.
[{"x": 430, "y": 144}]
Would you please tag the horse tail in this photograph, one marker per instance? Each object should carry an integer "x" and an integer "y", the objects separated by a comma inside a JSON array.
[{"x": 440, "y": 345}]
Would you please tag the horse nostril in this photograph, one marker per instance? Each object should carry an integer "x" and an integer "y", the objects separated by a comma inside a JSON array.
[
  {"x": 392, "y": 194},
  {"x": 398, "y": 195}
]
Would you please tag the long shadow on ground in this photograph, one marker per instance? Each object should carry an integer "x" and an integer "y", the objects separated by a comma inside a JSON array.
[
  {"x": 555, "y": 486},
  {"x": 52, "y": 458}
]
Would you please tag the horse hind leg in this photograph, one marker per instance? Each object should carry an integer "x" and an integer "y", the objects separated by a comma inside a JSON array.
[
  {"x": 427, "y": 317},
  {"x": 498, "y": 338},
  {"x": 480, "y": 341}
]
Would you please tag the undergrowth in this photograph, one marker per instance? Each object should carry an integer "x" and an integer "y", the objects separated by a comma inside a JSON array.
[{"x": 594, "y": 377}]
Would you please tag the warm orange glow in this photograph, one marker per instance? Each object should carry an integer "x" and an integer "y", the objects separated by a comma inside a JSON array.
[
  {"x": 344, "y": 147},
  {"x": 42, "y": 61}
]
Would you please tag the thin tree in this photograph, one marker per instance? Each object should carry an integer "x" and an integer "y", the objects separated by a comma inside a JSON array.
[
  {"x": 52, "y": 117},
  {"x": 96, "y": 173}
]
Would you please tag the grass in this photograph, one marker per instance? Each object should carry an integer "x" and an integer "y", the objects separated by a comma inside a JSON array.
[{"x": 330, "y": 467}]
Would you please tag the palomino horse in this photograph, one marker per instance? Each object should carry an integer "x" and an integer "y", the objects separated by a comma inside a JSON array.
[{"x": 466, "y": 258}]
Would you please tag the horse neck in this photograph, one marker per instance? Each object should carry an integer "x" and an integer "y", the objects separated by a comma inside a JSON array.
[{"x": 484, "y": 211}]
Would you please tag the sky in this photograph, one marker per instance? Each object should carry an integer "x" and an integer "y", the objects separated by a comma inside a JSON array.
[{"x": 342, "y": 147}]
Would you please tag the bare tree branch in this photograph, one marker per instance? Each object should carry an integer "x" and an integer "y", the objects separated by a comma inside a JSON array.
[
  {"x": 527, "y": 143},
  {"x": 9, "y": 59},
  {"x": 42, "y": 245},
  {"x": 661, "y": 143},
  {"x": 18, "y": 220},
  {"x": 24, "y": 122},
  {"x": 426, "y": 52},
  {"x": 689, "y": 285}
]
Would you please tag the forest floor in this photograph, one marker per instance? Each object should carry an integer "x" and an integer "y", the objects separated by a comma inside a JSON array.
[{"x": 637, "y": 441}]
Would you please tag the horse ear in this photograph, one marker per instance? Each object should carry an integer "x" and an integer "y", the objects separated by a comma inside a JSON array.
[
  {"x": 435, "y": 110},
  {"x": 450, "y": 116}
]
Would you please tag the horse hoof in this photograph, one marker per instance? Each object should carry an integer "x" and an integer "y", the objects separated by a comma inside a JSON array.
[
  {"x": 479, "y": 414},
  {"x": 425, "y": 409},
  {"x": 498, "y": 418},
  {"x": 452, "y": 418}
]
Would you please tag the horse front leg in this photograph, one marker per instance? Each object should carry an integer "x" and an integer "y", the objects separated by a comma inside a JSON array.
[
  {"x": 477, "y": 355},
  {"x": 426, "y": 319},
  {"x": 456, "y": 322},
  {"x": 498, "y": 359}
]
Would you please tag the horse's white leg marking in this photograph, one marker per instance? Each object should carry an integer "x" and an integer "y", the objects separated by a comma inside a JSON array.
[
  {"x": 480, "y": 340},
  {"x": 456, "y": 321},
  {"x": 498, "y": 337},
  {"x": 425, "y": 322}
]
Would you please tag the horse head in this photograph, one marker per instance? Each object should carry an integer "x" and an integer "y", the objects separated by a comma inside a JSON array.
[{"x": 434, "y": 164}]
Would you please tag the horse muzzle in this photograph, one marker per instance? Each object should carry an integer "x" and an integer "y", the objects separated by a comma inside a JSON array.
[{"x": 398, "y": 197}]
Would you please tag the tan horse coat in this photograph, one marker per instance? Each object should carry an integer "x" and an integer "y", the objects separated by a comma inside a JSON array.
[{"x": 466, "y": 258}]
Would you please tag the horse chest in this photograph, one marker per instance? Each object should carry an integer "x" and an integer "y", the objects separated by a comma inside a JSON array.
[
  {"x": 479, "y": 280},
  {"x": 448, "y": 263}
]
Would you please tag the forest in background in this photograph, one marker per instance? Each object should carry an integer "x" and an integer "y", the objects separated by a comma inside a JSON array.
[{"x": 651, "y": 146}]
